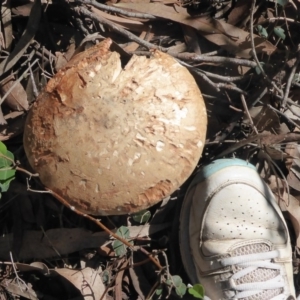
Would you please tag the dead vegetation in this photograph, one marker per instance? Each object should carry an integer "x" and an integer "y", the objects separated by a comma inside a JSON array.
[{"x": 245, "y": 57}]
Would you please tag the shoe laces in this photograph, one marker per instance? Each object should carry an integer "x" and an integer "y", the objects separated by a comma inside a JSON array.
[{"x": 244, "y": 283}]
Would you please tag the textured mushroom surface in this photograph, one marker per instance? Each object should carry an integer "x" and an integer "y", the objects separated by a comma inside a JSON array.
[{"x": 115, "y": 141}]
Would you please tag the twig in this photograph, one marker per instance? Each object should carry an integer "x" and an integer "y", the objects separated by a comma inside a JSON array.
[
  {"x": 214, "y": 59},
  {"x": 289, "y": 82},
  {"x": 231, "y": 88},
  {"x": 282, "y": 114},
  {"x": 223, "y": 78},
  {"x": 101, "y": 225},
  {"x": 150, "y": 256},
  {"x": 254, "y": 51},
  {"x": 27, "y": 172},
  {"x": 118, "y": 10},
  {"x": 275, "y": 19},
  {"x": 65, "y": 203},
  {"x": 17, "y": 81},
  {"x": 118, "y": 29},
  {"x": 248, "y": 114}
]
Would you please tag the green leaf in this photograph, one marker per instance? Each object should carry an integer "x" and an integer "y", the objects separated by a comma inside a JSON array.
[
  {"x": 257, "y": 69},
  {"x": 279, "y": 32},
  {"x": 181, "y": 290},
  {"x": 118, "y": 246},
  {"x": 3, "y": 148},
  {"x": 105, "y": 277},
  {"x": 296, "y": 78},
  {"x": 262, "y": 31},
  {"x": 159, "y": 291},
  {"x": 4, "y": 185},
  {"x": 4, "y": 162},
  {"x": 169, "y": 282},
  {"x": 7, "y": 173},
  {"x": 142, "y": 216},
  {"x": 177, "y": 281},
  {"x": 123, "y": 232},
  {"x": 282, "y": 2},
  {"x": 197, "y": 291}
]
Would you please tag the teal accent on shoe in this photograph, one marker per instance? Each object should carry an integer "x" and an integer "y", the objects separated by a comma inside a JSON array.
[{"x": 217, "y": 165}]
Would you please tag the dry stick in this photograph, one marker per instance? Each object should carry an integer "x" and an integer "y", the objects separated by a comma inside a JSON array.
[
  {"x": 272, "y": 20},
  {"x": 254, "y": 51},
  {"x": 125, "y": 242},
  {"x": 231, "y": 88},
  {"x": 27, "y": 172},
  {"x": 289, "y": 82},
  {"x": 205, "y": 58},
  {"x": 223, "y": 78},
  {"x": 248, "y": 114},
  {"x": 17, "y": 81},
  {"x": 118, "y": 29},
  {"x": 216, "y": 86},
  {"x": 65, "y": 203},
  {"x": 215, "y": 59},
  {"x": 118, "y": 10},
  {"x": 152, "y": 291},
  {"x": 281, "y": 113}
]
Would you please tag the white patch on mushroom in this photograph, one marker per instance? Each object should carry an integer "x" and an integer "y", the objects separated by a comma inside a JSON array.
[
  {"x": 82, "y": 183},
  {"x": 115, "y": 153},
  {"x": 179, "y": 114},
  {"x": 99, "y": 171},
  {"x": 190, "y": 128},
  {"x": 92, "y": 74},
  {"x": 132, "y": 160},
  {"x": 140, "y": 137},
  {"x": 199, "y": 144},
  {"x": 98, "y": 67},
  {"x": 103, "y": 152},
  {"x": 159, "y": 146},
  {"x": 97, "y": 188}
]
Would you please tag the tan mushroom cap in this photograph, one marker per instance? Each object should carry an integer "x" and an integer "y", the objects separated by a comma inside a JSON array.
[{"x": 114, "y": 141}]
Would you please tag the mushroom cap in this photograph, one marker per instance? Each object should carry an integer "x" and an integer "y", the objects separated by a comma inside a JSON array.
[{"x": 113, "y": 141}]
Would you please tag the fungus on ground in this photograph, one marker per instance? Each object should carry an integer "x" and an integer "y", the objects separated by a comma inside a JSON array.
[{"x": 113, "y": 140}]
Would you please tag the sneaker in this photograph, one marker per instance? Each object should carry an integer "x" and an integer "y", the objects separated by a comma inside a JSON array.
[{"x": 233, "y": 237}]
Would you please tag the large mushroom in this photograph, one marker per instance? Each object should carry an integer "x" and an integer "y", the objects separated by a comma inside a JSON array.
[{"x": 113, "y": 140}]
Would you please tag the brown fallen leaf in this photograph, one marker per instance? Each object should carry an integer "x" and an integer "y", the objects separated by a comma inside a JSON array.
[
  {"x": 87, "y": 281},
  {"x": 227, "y": 36},
  {"x": 129, "y": 24},
  {"x": 239, "y": 12},
  {"x": 17, "y": 98},
  {"x": 132, "y": 46},
  {"x": 7, "y": 24},
  {"x": 293, "y": 209},
  {"x": 38, "y": 245}
]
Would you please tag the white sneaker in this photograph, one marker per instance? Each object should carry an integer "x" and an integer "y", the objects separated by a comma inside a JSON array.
[{"x": 233, "y": 237}]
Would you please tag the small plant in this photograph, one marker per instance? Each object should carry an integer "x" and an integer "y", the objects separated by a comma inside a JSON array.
[
  {"x": 142, "y": 217},
  {"x": 119, "y": 247},
  {"x": 197, "y": 290},
  {"x": 7, "y": 168}
]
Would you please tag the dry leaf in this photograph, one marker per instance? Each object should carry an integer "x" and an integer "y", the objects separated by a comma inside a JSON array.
[
  {"x": 293, "y": 210},
  {"x": 265, "y": 119},
  {"x": 87, "y": 281},
  {"x": 17, "y": 98},
  {"x": 39, "y": 246},
  {"x": 132, "y": 46},
  {"x": 7, "y": 26},
  {"x": 131, "y": 25},
  {"x": 229, "y": 37},
  {"x": 239, "y": 12}
]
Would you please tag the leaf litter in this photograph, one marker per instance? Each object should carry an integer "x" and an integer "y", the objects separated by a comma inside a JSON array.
[{"x": 47, "y": 250}]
